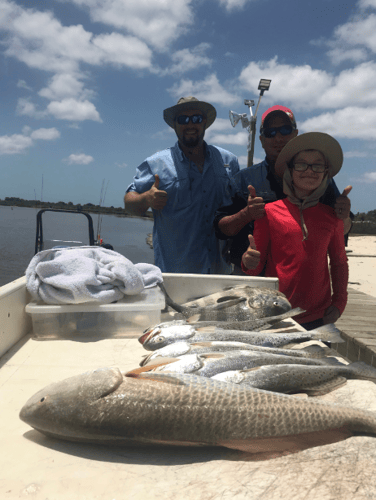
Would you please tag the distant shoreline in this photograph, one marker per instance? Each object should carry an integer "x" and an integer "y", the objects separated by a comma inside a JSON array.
[{"x": 61, "y": 205}]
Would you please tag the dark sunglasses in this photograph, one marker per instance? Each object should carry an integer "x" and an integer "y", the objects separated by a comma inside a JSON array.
[
  {"x": 272, "y": 131},
  {"x": 316, "y": 167},
  {"x": 185, "y": 119}
]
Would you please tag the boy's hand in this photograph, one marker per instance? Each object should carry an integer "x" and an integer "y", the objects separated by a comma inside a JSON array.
[{"x": 251, "y": 258}]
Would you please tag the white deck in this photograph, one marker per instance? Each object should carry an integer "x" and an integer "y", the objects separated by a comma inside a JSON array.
[{"x": 37, "y": 467}]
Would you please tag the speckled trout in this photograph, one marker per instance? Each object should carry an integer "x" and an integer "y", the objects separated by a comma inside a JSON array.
[
  {"x": 168, "y": 333},
  {"x": 104, "y": 406},
  {"x": 291, "y": 378},
  {"x": 179, "y": 348}
]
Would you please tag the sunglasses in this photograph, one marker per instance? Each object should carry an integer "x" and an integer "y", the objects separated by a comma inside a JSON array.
[
  {"x": 272, "y": 131},
  {"x": 316, "y": 167},
  {"x": 185, "y": 119}
]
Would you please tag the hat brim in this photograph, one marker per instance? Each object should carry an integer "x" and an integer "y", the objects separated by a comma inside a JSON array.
[
  {"x": 324, "y": 143},
  {"x": 209, "y": 111}
]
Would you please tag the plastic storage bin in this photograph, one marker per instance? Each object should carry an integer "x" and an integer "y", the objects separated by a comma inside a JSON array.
[{"x": 128, "y": 317}]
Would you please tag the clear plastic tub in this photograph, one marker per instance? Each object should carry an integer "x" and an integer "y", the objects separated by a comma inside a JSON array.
[{"x": 128, "y": 317}]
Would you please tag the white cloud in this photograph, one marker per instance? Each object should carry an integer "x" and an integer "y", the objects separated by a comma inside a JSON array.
[
  {"x": 124, "y": 50},
  {"x": 338, "y": 55},
  {"x": 64, "y": 85},
  {"x": 26, "y": 108},
  {"x": 306, "y": 88},
  {"x": 300, "y": 85},
  {"x": 239, "y": 139},
  {"x": 40, "y": 41},
  {"x": 14, "y": 144},
  {"x": 19, "y": 143},
  {"x": 367, "y": 177},
  {"x": 348, "y": 123},
  {"x": 209, "y": 90},
  {"x": 21, "y": 84},
  {"x": 231, "y": 5},
  {"x": 46, "y": 134},
  {"x": 187, "y": 59},
  {"x": 71, "y": 109},
  {"x": 155, "y": 21},
  {"x": 79, "y": 159},
  {"x": 356, "y": 154}
]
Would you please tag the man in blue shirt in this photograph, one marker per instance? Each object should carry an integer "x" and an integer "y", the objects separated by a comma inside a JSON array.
[
  {"x": 254, "y": 186},
  {"x": 184, "y": 185}
]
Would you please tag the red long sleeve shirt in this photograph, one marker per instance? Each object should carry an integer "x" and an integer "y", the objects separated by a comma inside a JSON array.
[{"x": 302, "y": 266}]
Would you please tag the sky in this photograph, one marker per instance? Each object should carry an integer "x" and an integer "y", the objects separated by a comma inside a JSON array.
[{"x": 84, "y": 84}]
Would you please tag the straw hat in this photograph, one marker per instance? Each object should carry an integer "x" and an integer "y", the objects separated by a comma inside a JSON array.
[
  {"x": 188, "y": 103},
  {"x": 324, "y": 143}
]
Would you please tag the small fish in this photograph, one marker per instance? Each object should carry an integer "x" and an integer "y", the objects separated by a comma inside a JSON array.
[
  {"x": 166, "y": 333},
  {"x": 180, "y": 348},
  {"x": 251, "y": 303},
  {"x": 313, "y": 380},
  {"x": 208, "y": 365},
  {"x": 104, "y": 406}
]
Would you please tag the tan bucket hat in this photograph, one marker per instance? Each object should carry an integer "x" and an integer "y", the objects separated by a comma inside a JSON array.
[
  {"x": 325, "y": 143},
  {"x": 186, "y": 103}
]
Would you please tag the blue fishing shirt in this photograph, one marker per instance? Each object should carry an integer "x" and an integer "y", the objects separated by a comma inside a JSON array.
[{"x": 183, "y": 234}]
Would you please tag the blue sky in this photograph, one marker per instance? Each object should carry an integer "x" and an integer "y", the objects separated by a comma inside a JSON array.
[{"x": 84, "y": 84}]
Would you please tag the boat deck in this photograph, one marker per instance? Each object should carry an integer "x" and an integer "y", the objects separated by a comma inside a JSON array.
[
  {"x": 35, "y": 466},
  {"x": 358, "y": 327}
]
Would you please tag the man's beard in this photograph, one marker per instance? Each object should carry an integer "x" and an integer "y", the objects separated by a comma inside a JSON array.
[{"x": 191, "y": 141}]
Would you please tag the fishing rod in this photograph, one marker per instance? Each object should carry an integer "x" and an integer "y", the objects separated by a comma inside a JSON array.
[
  {"x": 100, "y": 216},
  {"x": 249, "y": 123}
]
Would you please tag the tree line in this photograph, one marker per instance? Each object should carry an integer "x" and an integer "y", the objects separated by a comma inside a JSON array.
[{"x": 62, "y": 205}]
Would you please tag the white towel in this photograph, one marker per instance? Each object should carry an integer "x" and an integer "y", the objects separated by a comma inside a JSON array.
[{"x": 75, "y": 275}]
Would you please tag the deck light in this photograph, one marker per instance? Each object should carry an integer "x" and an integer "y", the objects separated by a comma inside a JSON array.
[{"x": 250, "y": 122}]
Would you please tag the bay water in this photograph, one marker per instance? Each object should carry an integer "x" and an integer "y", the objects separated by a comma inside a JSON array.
[{"x": 18, "y": 232}]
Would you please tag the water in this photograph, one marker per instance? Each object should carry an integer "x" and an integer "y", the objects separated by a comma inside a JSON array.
[{"x": 18, "y": 230}]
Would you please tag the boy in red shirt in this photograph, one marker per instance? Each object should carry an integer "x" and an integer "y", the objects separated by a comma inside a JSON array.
[{"x": 295, "y": 237}]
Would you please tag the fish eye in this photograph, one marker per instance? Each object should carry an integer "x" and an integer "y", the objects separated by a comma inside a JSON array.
[
  {"x": 43, "y": 399},
  {"x": 160, "y": 339}
]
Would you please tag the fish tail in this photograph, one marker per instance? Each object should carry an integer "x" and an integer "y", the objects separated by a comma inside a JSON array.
[
  {"x": 329, "y": 333},
  {"x": 361, "y": 370}
]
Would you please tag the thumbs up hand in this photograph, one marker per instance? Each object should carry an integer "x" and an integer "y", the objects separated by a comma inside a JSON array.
[
  {"x": 343, "y": 204},
  {"x": 255, "y": 205},
  {"x": 157, "y": 198},
  {"x": 251, "y": 258}
]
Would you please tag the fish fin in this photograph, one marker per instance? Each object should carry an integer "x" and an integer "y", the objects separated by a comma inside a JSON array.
[
  {"x": 164, "y": 378},
  {"x": 194, "y": 318},
  {"x": 206, "y": 329},
  {"x": 250, "y": 369},
  {"x": 324, "y": 388},
  {"x": 201, "y": 344},
  {"x": 212, "y": 355},
  {"x": 145, "y": 359},
  {"x": 332, "y": 361},
  {"x": 315, "y": 351},
  {"x": 154, "y": 363},
  {"x": 318, "y": 351},
  {"x": 273, "y": 447}
]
